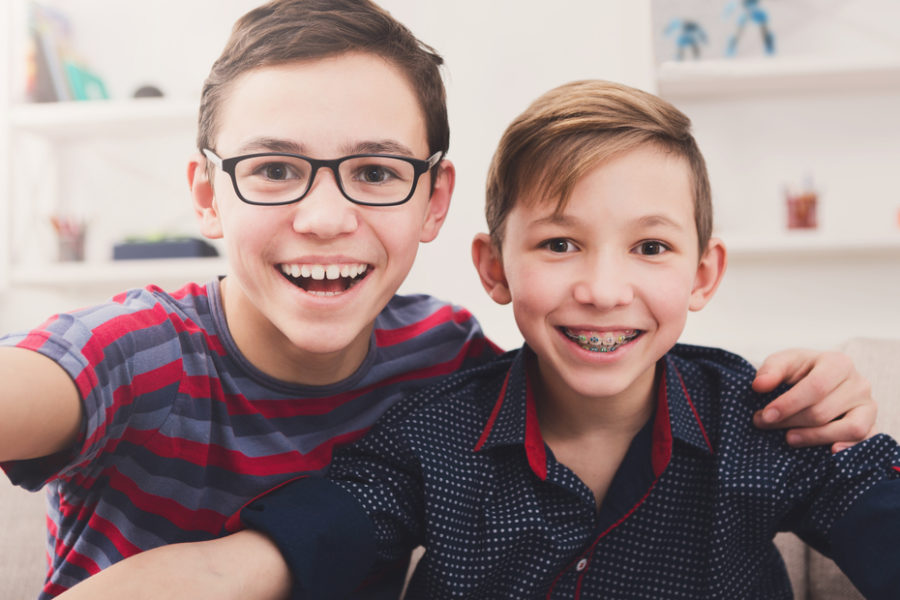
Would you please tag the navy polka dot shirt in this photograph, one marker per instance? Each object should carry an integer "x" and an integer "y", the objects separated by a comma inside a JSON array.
[{"x": 461, "y": 468}]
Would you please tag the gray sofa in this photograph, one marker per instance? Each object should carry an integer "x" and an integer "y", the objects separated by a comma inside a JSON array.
[{"x": 23, "y": 555}]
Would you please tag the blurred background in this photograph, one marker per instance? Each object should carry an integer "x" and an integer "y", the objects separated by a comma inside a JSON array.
[{"x": 796, "y": 105}]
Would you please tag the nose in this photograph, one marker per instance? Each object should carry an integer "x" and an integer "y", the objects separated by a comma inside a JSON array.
[
  {"x": 604, "y": 282},
  {"x": 324, "y": 211}
]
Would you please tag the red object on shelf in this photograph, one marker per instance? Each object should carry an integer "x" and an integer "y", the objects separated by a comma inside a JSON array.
[{"x": 801, "y": 209}]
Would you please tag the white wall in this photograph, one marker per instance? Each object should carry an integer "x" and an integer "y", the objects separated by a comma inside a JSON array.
[{"x": 500, "y": 55}]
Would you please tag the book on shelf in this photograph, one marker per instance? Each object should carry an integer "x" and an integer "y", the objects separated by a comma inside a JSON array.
[{"x": 55, "y": 72}]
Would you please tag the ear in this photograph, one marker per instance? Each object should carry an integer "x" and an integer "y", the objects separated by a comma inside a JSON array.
[
  {"x": 489, "y": 264},
  {"x": 709, "y": 273},
  {"x": 204, "y": 197},
  {"x": 439, "y": 203}
]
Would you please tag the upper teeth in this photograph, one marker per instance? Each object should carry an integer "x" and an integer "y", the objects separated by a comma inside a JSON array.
[{"x": 324, "y": 271}]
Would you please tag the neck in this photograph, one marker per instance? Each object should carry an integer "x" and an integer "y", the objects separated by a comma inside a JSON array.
[
  {"x": 565, "y": 414},
  {"x": 273, "y": 353}
]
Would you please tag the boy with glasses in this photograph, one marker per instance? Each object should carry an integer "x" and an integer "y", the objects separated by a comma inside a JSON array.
[{"x": 153, "y": 417}]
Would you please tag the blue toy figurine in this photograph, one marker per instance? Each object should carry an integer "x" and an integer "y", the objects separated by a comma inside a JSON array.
[
  {"x": 690, "y": 35},
  {"x": 752, "y": 12}
]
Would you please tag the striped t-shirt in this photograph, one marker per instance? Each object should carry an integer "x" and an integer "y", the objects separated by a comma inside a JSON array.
[{"x": 180, "y": 430}]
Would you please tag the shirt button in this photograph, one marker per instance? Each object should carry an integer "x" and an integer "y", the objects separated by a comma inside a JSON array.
[{"x": 581, "y": 564}]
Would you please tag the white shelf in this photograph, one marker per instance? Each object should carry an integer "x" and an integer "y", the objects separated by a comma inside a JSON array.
[
  {"x": 810, "y": 244},
  {"x": 708, "y": 79},
  {"x": 122, "y": 273},
  {"x": 62, "y": 120}
]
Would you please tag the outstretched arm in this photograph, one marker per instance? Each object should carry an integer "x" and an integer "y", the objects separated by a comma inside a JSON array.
[
  {"x": 831, "y": 402},
  {"x": 40, "y": 409},
  {"x": 243, "y": 566}
]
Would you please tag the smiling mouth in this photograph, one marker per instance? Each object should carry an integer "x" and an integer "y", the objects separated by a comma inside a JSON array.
[
  {"x": 606, "y": 341},
  {"x": 325, "y": 280}
]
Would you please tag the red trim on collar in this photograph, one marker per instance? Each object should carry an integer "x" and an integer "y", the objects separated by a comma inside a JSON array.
[
  {"x": 661, "y": 446},
  {"x": 234, "y": 522},
  {"x": 493, "y": 417},
  {"x": 897, "y": 469},
  {"x": 696, "y": 414},
  {"x": 535, "y": 449}
]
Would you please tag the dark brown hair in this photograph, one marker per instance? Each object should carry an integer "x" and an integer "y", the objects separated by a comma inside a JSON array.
[
  {"x": 283, "y": 31},
  {"x": 570, "y": 130}
]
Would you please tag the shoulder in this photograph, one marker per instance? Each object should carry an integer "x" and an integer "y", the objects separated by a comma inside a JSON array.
[
  {"x": 423, "y": 311},
  {"x": 136, "y": 318},
  {"x": 713, "y": 369},
  {"x": 717, "y": 373},
  {"x": 467, "y": 395},
  {"x": 414, "y": 324}
]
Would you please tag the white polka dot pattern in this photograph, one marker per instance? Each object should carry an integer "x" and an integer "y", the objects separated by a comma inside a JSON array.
[{"x": 702, "y": 528}]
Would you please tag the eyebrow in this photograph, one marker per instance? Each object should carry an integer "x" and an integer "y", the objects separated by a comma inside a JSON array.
[
  {"x": 659, "y": 220},
  {"x": 269, "y": 144},
  {"x": 645, "y": 221},
  {"x": 379, "y": 147}
]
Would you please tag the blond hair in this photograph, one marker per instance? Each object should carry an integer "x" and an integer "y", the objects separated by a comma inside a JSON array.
[{"x": 570, "y": 130}]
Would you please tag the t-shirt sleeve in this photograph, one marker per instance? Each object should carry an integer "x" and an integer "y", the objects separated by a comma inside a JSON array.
[{"x": 109, "y": 362}]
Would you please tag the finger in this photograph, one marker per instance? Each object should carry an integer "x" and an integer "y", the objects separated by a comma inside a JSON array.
[
  {"x": 853, "y": 427},
  {"x": 786, "y": 366},
  {"x": 817, "y": 392}
]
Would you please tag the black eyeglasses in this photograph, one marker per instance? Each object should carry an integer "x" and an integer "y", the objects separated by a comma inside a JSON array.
[{"x": 272, "y": 178}]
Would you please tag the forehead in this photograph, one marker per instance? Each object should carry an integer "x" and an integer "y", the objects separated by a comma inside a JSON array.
[
  {"x": 633, "y": 186},
  {"x": 324, "y": 106}
]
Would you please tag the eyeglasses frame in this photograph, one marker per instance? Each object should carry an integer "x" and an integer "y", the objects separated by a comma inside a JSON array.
[{"x": 227, "y": 165}]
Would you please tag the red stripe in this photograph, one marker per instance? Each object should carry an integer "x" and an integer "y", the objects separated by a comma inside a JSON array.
[
  {"x": 534, "y": 442},
  {"x": 233, "y": 523},
  {"x": 317, "y": 406},
  {"x": 184, "y": 518},
  {"x": 590, "y": 551},
  {"x": 661, "y": 444},
  {"x": 211, "y": 455},
  {"x": 144, "y": 383},
  {"x": 106, "y": 528},
  {"x": 389, "y": 337},
  {"x": 694, "y": 409},
  {"x": 493, "y": 417},
  {"x": 897, "y": 469}
]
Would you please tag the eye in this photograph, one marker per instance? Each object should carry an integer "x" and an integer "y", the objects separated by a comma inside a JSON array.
[
  {"x": 652, "y": 248},
  {"x": 275, "y": 171},
  {"x": 382, "y": 171},
  {"x": 375, "y": 174},
  {"x": 558, "y": 245}
]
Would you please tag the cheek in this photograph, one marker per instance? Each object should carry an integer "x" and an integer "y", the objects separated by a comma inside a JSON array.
[
  {"x": 538, "y": 290},
  {"x": 669, "y": 293}
]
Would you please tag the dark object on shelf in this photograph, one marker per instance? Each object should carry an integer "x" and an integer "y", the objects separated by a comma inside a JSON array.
[
  {"x": 165, "y": 248},
  {"x": 148, "y": 91}
]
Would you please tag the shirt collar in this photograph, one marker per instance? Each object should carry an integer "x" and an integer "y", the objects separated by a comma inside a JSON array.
[{"x": 513, "y": 421}]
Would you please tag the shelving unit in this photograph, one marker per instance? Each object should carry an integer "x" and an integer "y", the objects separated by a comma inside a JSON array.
[
  {"x": 123, "y": 273},
  {"x": 836, "y": 122},
  {"x": 719, "y": 79},
  {"x": 810, "y": 245},
  {"x": 67, "y": 125},
  {"x": 68, "y": 121}
]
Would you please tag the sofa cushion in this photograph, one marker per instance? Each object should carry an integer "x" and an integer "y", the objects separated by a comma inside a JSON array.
[
  {"x": 23, "y": 557},
  {"x": 879, "y": 361}
]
